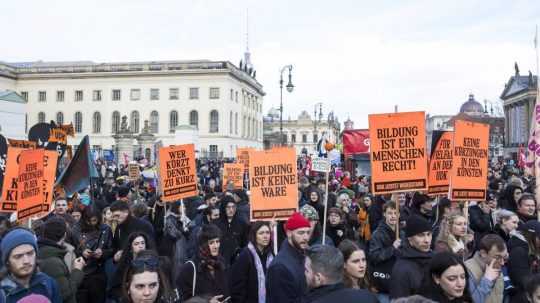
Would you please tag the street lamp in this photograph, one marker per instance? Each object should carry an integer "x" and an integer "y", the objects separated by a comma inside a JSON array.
[{"x": 290, "y": 88}]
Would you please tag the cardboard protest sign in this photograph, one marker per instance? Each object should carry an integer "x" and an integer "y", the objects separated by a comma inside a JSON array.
[
  {"x": 22, "y": 143},
  {"x": 274, "y": 188},
  {"x": 440, "y": 163},
  {"x": 320, "y": 165},
  {"x": 398, "y": 152},
  {"x": 233, "y": 172},
  {"x": 468, "y": 177},
  {"x": 58, "y": 135},
  {"x": 134, "y": 171},
  {"x": 30, "y": 183},
  {"x": 242, "y": 157},
  {"x": 178, "y": 175},
  {"x": 50, "y": 160},
  {"x": 10, "y": 188}
]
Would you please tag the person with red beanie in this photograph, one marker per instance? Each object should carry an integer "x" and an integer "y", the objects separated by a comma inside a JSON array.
[{"x": 286, "y": 281}]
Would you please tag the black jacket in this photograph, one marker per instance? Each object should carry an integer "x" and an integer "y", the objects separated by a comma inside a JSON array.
[
  {"x": 97, "y": 238},
  {"x": 382, "y": 256},
  {"x": 520, "y": 267},
  {"x": 286, "y": 281},
  {"x": 339, "y": 233},
  {"x": 233, "y": 237},
  {"x": 338, "y": 293},
  {"x": 481, "y": 222},
  {"x": 243, "y": 278},
  {"x": 206, "y": 284},
  {"x": 409, "y": 271},
  {"x": 129, "y": 226}
]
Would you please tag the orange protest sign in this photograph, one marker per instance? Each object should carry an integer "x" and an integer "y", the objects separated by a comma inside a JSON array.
[
  {"x": 398, "y": 152},
  {"x": 468, "y": 177},
  {"x": 178, "y": 175},
  {"x": 30, "y": 183},
  {"x": 9, "y": 189},
  {"x": 58, "y": 135},
  {"x": 440, "y": 163},
  {"x": 50, "y": 161},
  {"x": 22, "y": 143},
  {"x": 242, "y": 156},
  {"x": 273, "y": 179},
  {"x": 233, "y": 172}
]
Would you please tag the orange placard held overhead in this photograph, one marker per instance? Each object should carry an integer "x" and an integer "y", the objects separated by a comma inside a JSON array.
[
  {"x": 177, "y": 172},
  {"x": 9, "y": 189},
  {"x": 440, "y": 163},
  {"x": 30, "y": 183},
  {"x": 233, "y": 172},
  {"x": 398, "y": 152},
  {"x": 242, "y": 157},
  {"x": 50, "y": 161},
  {"x": 58, "y": 135},
  {"x": 274, "y": 184},
  {"x": 468, "y": 177},
  {"x": 22, "y": 143}
]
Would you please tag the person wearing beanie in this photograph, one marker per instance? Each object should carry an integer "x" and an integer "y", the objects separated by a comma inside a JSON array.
[
  {"x": 337, "y": 228},
  {"x": 51, "y": 259},
  {"x": 316, "y": 233},
  {"x": 422, "y": 206},
  {"x": 286, "y": 281},
  {"x": 414, "y": 257},
  {"x": 234, "y": 230},
  {"x": 21, "y": 278}
]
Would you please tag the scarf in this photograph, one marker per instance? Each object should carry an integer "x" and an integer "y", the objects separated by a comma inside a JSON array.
[
  {"x": 261, "y": 279},
  {"x": 207, "y": 260}
]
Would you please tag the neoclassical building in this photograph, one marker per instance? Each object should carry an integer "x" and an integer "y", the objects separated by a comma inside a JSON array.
[{"x": 223, "y": 101}]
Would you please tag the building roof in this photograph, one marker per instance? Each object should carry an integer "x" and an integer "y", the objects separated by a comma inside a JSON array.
[
  {"x": 519, "y": 84},
  {"x": 472, "y": 107},
  {"x": 11, "y": 96}
]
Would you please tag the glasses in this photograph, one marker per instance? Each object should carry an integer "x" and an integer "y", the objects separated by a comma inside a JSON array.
[
  {"x": 150, "y": 263},
  {"x": 500, "y": 258}
]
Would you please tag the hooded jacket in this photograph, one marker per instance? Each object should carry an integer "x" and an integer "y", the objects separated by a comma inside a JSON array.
[
  {"x": 234, "y": 237},
  {"x": 286, "y": 281},
  {"x": 40, "y": 284},
  {"x": 409, "y": 271}
]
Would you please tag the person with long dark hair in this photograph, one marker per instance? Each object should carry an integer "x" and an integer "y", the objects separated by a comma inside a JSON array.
[
  {"x": 532, "y": 289},
  {"x": 524, "y": 259},
  {"x": 446, "y": 280},
  {"x": 355, "y": 272},
  {"x": 248, "y": 279}
]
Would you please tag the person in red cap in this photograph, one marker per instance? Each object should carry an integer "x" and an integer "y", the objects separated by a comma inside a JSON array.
[{"x": 286, "y": 281}]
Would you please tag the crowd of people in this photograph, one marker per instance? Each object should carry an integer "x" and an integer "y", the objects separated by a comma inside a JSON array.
[{"x": 118, "y": 242}]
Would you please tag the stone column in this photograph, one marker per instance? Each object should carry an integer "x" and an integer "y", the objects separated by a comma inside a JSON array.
[
  {"x": 146, "y": 142},
  {"x": 123, "y": 141}
]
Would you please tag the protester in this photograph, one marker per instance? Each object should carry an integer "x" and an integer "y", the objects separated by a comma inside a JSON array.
[
  {"x": 481, "y": 219},
  {"x": 410, "y": 268},
  {"x": 422, "y": 206},
  {"x": 176, "y": 235},
  {"x": 364, "y": 229},
  {"x": 234, "y": 231},
  {"x": 510, "y": 197},
  {"x": 21, "y": 277},
  {"x": 337, "y": 228},
  {"x": 454, "y": 236},
  {"x": 125, "y": 225},
  {"x": 106, "y": 217},
  {"x": 533, "y": 289},
  {"x": 248, "y": 278},
  {"x": 316, "y": 233},
  {"x": 315, "y": 201},
  {"x": 524, "y": 259},
  {"x": 526, "y": 208},
  {"x": 355, "y": 273},
  {"x": 441, "y": 212},
  {"x": 507, "y": 223},
  {"x": 324, "y": 276},
  {"x": 286, "y": 281},
  {"x": 447, "y": 279}
]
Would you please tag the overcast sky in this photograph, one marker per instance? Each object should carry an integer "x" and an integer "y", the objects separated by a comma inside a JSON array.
[{"x": 357, "y": 57}]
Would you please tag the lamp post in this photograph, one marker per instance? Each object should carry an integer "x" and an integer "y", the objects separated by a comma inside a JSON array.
[
  {"x": 290, "y": 88},
  {"x": 315, "y": 122}
]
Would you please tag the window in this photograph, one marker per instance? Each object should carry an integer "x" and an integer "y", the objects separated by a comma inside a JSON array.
[
  {"x": 236, "y": 123},
  {"x": 236, "y": 97},
  {"x": 41, "y": 117},
  {"x": 135, "y": 94},
  {"x": 293, "y": 138},
  {"x": 154, "y": 94},
  {"x": 214, "y": 92},
  {"x": 213, "y": 150},
  {"x": 78, "y": 122},
  {"x": 116, "y": 95},
  {"x": 248, "y": 132},
  {"x": 96, "y": 123},
  {"x": 134, "y": 121},
  {"x": 173, "y": 121},
  {"x": 304, "y": 138},
  {"x": 194, "y": 118},
  {"x": 60, "y": 96},
  {"x": 42, "y": 96},
  {"x": 59, "y": 118},
  {"x": 214, "y": 121},
  {"x": 230, "y": 122},
  {"x": 24, "y": 95},
  {"x": 243, "y": 126},
  {"x": 193, "y": 93},
  {"x": 96, "y": 95},
  {"x": 315, "y": 138},
  {"x": 232, "y": 94},
  {"x": 78, "y": 95},
  {"x": 154, "y": 122},
  {"x": 173, "y": 93},
  {"x": 115, "y": 122}
]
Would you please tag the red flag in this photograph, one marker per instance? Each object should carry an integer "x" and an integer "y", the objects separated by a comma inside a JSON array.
[{"x": 355, "y": 141}]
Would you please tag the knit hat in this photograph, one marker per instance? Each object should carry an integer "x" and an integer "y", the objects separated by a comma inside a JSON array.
[
  {"x": 309, "y": 212},
  {"x": 54, "y": 229},
  {"x": 532, "y": 226},
  {"x": 296, "y": 221},
  {"x": 335, "y": 210},
  {"x": 15, "y": 238},
  {"x": 416, "y": 225}
]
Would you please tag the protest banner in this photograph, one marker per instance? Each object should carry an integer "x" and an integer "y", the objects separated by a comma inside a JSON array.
[
  {"x": 398, "y": 152},
  {"x": 58, "y": 135},
  {"x": 233, "y": 172},
  {"x": 242, "y": 157},
  {"x": 9, "y": 188},
  {"x": 274, "y": 188},
  {"x": 468, "y": 177},
  {"x": 50, "y": 161},
  {"x": 320, "y": 165},
  {"x": 440, "y": 163},
  {"x": 30, "y": 183},
  {"x": 178, "y": 175},
  {"x": 22, "y": 143},
  {"x": 133, "y": 171}
]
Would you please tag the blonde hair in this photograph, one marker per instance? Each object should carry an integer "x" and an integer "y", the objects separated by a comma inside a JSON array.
[{"x": 445, "y": 235}]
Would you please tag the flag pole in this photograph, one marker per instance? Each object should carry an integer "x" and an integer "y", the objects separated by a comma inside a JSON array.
[{"x": 535, "y": 121}]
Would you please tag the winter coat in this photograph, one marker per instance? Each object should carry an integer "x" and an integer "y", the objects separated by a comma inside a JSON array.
[
  {"x": 129, "y": 226},
  {"x": 521, "y": 265},
  {"x": 364, "y": 230},
  {"x": 233, "y": 237},
  {"x": 243, "y": 210},
  {"x": 51, "y": 261},
  {"x": 499, "y": 231},
  {"x": 339, "y": 233},
  {"x": 285, "y": 280},
  {"x": 206, "y": 284},
  {"x": 494, "y": 291},
  {"x": 507, "y": 201},
  {"x": 243, "y": 279},
  {"x": 175, "y": 240},
  {"x": 382, "y": 256},
  {"x": 480, "y": 222},
  {"x": 339, "y": 293},
  {"x": 97, "y": 238},
  {"x": 375, "y": 213},
  {"x": 40, "y": 284},
  {"x": 409, "y": 271}
]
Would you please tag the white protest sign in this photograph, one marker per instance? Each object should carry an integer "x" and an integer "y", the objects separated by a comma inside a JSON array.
[{"x": 320, "y": 165}]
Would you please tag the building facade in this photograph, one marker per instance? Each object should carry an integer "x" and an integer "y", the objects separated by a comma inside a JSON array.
[
  {"x": 303, "y": 133},
  {"x": 12, "y": 115},
  {"x": 519, "y": 97},
  {"x": 434, "y": 123},
  {"x": 222, "y": 101}
]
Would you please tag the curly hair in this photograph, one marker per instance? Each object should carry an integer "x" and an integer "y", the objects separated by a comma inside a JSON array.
[{"x": 445, "y": 235}]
